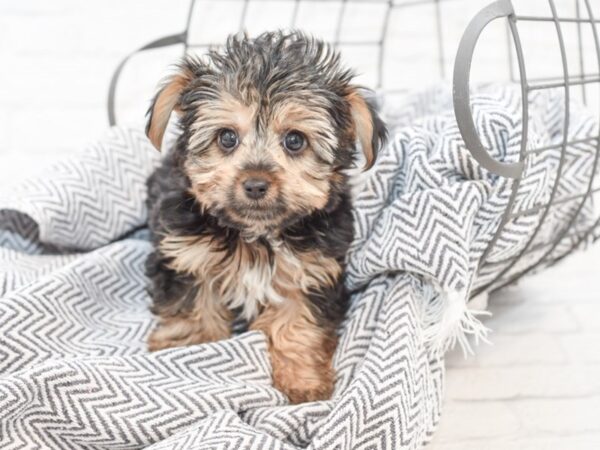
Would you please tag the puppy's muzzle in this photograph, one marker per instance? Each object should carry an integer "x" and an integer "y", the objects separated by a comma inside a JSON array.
[{"x": 255, "y": 188}]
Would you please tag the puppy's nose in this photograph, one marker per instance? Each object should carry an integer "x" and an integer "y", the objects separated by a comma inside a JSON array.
[{"x": 256, "y": 188}]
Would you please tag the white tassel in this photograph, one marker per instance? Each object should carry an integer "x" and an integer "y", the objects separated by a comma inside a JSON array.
[{"x": 449, "y": 321}]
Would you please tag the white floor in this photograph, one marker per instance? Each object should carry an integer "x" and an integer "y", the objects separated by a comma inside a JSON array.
[{"x": 538, "y": 385}]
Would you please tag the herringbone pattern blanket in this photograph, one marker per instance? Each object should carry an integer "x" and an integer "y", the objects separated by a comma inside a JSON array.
[{"x": 74, "y": 372}]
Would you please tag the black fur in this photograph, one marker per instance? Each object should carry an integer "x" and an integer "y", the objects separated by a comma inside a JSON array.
[
  {"x": 275, "y": 64},
  {"x": 175, "y": 211}
]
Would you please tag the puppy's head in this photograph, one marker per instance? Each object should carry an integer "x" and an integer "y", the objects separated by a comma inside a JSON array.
[{"x": 269, "y": 125}]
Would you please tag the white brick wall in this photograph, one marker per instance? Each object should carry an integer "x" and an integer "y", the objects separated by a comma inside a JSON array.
[{"x": 57, "y": 58}]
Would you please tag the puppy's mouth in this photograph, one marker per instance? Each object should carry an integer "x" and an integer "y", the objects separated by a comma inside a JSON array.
[
  {"x": 257, "y": 210},
  {"x": 235, "y": 209}
]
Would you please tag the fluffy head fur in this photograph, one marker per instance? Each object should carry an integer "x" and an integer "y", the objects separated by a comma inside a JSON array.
[{"x": 263, "y": 89}]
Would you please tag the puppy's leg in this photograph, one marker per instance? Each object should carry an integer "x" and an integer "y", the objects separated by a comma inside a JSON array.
[
  {"x": 301, "y": 350},
  {"x": 208, "y": 322},
  {"x": 188, "y": 313}
]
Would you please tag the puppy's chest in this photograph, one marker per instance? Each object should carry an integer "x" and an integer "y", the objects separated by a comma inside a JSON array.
[{"x": 251, "y": 275}]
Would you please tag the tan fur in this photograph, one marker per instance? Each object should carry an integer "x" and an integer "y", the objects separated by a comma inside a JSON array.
[
  {"x": 303, "y": 181},
  {"x": 364, "y": 125},
  {"x": 300, "y": 350},
  {"x": 226, "y": 112},
  {"x": 275, "y": 290},
  {"x": 166, "y": 101},
  {"x": 259, "y": 197},
  {"x": 247, "y": 279},
  {"x": 209, "y": 321},
  {"x": 314, "y": 121}
]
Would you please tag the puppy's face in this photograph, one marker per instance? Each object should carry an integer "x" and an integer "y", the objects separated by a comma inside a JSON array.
[
  {"x": 259, "y": 166},
  {"x": 268, "y": 126}
]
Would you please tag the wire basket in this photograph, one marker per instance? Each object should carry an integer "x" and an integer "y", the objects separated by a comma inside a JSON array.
[{"x": 399, "y": 45}]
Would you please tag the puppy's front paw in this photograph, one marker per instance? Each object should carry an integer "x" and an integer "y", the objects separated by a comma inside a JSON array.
[
  {"x": 179, "y": 332},
  {"x": 158, "y": 341},
  {"x": 306, "y": 376},
  {"x": 304, "y": 387},
  {"x": 300, "y": 351}
]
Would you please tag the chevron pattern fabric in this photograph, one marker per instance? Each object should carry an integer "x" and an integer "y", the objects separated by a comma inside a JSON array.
[{"x": 74, "y": 371}]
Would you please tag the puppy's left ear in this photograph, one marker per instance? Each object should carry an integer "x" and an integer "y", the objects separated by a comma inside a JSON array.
[
  {"x": 165, "y": 102},
  {"x": 370, "y": 129}
]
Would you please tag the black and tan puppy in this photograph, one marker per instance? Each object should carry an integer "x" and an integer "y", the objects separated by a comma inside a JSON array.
[{"x": 250, "y": 212}]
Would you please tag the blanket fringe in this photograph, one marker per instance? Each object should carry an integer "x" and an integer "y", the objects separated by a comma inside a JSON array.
[{"x": 450, "y": 321}]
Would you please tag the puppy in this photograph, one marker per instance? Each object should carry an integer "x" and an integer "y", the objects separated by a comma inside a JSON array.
[{"x": 250, "y": 211}]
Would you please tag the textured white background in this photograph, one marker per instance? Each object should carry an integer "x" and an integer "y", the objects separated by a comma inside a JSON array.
[{"x": 538, "y": 386}]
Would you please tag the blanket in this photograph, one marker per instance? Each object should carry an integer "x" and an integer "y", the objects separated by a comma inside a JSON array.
[{"x": 74, "y": 371}]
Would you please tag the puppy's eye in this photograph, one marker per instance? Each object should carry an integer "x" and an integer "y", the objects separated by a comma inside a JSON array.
[
  {"x": 294, "y": 142},
  {"x": 228, "y": 139}
]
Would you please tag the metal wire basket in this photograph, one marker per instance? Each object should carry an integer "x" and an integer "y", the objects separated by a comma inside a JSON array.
[{"x": 569, "y": 28}]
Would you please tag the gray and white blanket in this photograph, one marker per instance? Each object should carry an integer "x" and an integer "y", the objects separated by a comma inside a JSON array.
[{"x": 74, "y": 372}]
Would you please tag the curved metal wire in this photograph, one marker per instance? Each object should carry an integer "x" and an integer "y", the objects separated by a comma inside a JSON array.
[
  {"x": 547, "y": 206},
  {"x": 167, "y": 41},
  {"x": 566, "y": 81},
  {"x": 382, "y": 46},
  {"x": 339, "y": 23},
  {"x": 584, "y": 237},
  {"x": 584, "y": 199},
  {"x": 514, "y": 32},
  {"x": 462, "y": 95}
]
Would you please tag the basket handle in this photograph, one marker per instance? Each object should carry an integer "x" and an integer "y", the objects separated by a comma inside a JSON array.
[
  {"x": 462, "y": 96},
  {"x": 166, "y": 41}
]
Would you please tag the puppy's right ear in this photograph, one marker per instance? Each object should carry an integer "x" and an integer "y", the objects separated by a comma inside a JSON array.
[
  {"x": 369, "y": 128},
  {"x": 166, "y": 100}
]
